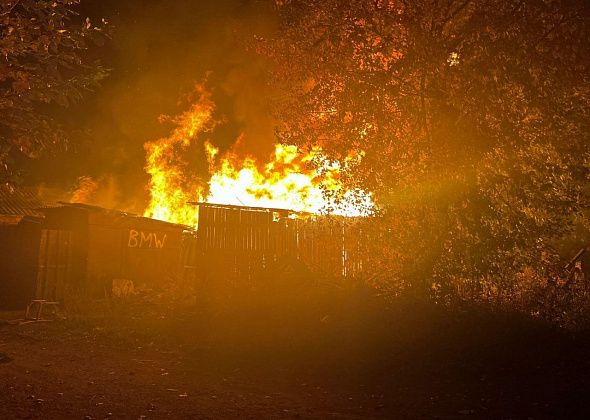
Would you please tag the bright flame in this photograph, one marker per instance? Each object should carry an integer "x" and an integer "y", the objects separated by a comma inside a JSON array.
[
  {"x": 171, "y": 185},
  {"x": 292, "y": 179}
]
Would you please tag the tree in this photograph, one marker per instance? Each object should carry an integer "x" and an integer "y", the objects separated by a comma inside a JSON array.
[
  {"x": 472, "y": 115},
  {"x": 44, "y": 61}
]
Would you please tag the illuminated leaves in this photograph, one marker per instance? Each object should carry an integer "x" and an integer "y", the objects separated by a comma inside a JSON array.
[
  {"x": 42, "y": 61},
  {"x": 473, "y": 116}
]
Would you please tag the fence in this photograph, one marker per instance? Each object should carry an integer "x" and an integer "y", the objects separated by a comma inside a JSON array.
[{"x": 237, "y": 243}]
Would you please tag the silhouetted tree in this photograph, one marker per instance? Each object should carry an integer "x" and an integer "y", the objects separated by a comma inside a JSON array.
[
  {"x": 473, "y": 117},
  {"x": 43, "y": 61}
]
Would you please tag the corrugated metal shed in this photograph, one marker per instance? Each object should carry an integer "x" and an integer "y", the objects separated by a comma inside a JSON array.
[{"x": 86, "y": 249}]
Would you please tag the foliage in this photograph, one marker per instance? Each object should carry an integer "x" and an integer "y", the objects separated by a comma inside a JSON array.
[
  {"x": 44, "y": 61},
  {"x": 473, "y": 117}
]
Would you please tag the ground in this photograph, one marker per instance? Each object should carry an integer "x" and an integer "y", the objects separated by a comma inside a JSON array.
[{"x": 304, "y": 359}]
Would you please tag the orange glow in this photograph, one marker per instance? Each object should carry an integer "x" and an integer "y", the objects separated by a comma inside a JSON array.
[
  {"x": 171, "y": 184},
  {"x": 291, "y": 179}
]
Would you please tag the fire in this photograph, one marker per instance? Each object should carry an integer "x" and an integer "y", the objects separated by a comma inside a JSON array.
[
  {"x": 171, "y": 183},
  {"x": 291, "y": 179}
]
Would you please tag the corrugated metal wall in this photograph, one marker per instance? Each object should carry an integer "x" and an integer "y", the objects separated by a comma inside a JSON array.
[
  {"x": 54, "y": 268},
  {"x": 233, "y": 246},
  {"x": 237, "y": 243}
]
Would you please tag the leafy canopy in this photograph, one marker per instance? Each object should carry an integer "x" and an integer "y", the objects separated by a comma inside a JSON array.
[
  {"x": 44, "y": 61},
  {"x": 473, "y": 116}
]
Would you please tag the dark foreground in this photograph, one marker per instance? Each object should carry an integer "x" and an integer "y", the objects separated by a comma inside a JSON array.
[{"x": 293, "y": 358}]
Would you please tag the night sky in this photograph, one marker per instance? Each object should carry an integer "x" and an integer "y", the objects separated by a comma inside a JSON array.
[{"x": 159, "y": 50}]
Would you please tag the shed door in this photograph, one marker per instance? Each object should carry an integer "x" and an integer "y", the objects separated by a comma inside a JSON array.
[{"x": 54, "y": 264}]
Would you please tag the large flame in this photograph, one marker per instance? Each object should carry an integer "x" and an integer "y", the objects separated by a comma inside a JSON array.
[
  {"x": 304, "y": 182},
  {"x": 172, "y": 185},
  {"x": 291, "y": 179}
]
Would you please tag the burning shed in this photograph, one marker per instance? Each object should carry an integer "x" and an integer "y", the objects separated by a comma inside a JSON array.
[{"x": 86, "y": 250}]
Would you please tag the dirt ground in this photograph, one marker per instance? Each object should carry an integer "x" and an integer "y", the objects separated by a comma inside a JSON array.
[{"x": 307, "y": 359}]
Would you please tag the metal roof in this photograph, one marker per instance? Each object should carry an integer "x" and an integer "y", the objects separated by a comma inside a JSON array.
[
  {"x": 251, "y": 208},
  {"x": 20, "y": 201},
  {"x": 119, "y": 213},
  {"x": 90, "y": 207}
]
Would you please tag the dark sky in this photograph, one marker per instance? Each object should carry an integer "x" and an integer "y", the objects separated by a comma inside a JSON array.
[{"x": 160, "y": 49}]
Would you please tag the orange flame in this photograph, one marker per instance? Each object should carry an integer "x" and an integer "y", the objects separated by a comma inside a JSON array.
[
  {"x": 171, "y": 183},
  {"x": 292, "y": 179}
]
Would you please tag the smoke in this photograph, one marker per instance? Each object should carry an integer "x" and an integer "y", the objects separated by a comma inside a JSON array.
[
  {"x": 252, "y": 110},
  {"x": 104, "y": 192},
  {"x": 87, "y": 187},
  {"x": 159, "y": 50}
]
